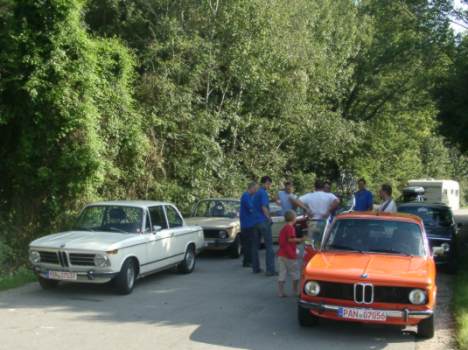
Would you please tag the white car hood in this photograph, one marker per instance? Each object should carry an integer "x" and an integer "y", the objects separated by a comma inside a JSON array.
[
  {"x": 213, "y": 222},
  {"x": 85, "y": 240}
]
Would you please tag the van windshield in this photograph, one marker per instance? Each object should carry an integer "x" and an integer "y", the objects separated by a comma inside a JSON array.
[{"x": 432, "y": 216}]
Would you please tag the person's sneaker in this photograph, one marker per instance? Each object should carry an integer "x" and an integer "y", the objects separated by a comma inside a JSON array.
[
  {"x": 258, "y": 271},
  {"x": 246, "y": 265},
  {"x": 270, "y": 274}
]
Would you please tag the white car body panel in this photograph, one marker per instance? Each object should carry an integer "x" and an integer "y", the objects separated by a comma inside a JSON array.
[{"x": 154, "y": 251}]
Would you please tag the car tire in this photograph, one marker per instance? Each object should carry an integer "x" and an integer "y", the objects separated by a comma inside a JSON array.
[
  {"x": 426, "y": 328},
  {"x": 235, "y": 250},
  {"x": 188, "y": 264},
  {"x": 125, "y": 280},
  {"x": 305, "y": 318},
  {"x": 46, "y": 283}
]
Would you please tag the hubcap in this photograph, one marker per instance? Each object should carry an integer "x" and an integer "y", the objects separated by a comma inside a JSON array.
[
  {"x": 130, "y": 276},
  {"x": 190, "y": 258}
]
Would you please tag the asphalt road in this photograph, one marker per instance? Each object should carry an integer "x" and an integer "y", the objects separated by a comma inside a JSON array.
[{"x": 219, "y": 306}]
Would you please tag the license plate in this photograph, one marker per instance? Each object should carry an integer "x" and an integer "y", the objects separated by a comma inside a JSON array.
[
  {"x": 362, "y": 314},
  {"x": 62, "y": 275}
]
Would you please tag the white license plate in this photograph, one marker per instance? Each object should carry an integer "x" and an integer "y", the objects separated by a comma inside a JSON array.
[
  {"x": 62, "y": 275},
  {"x": 361, "y": 314}
]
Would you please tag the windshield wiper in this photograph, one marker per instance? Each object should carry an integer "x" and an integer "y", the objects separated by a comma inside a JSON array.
[
  {"x": 391, "y": 251},
  {"x": 343, "y": 247},
  {"x": 117, "y": 229}
]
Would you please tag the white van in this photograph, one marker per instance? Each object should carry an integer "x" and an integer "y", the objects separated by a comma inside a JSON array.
[{"x": 444, "y": 191}]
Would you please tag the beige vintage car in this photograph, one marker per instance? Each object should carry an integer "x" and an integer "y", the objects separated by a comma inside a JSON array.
[{"x": 219, "y": 218}]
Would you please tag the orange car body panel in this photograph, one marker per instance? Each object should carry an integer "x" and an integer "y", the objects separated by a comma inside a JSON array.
[{"x": 380, "y": 270}]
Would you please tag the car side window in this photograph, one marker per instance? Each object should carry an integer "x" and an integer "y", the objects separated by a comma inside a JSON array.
[
  {"x": 157, "y": 216},
  {"x": 173, "y": 217}
]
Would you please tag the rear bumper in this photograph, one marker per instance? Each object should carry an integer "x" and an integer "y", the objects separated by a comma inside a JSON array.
[
  {"x": 89, "y": 276},
  {"x": 403, "y": 317}
]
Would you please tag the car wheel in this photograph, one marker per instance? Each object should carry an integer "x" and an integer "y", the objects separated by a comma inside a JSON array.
[
  {"x": 47, "y": 283},
  {"x": 188, "y": 264},
  {"x": 306, "y": 319},
  {"x": 426, "y": 328},
  {"x": 125, "y": 281},
  {"x": 235, "y": 250}
]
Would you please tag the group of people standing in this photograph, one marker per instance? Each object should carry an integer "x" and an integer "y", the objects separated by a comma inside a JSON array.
[{"x": 320, "y": 207}]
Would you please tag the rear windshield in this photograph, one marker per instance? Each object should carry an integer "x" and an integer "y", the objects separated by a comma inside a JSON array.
[
  {"x": 376, "y": 236},
  {"x": 432, "y": 216}
]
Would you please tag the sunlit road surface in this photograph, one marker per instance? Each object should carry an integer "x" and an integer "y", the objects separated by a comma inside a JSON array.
[{"x": 219, "y": 306}]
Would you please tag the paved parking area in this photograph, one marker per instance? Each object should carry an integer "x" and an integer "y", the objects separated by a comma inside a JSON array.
[{"x": 221, "y": 305}]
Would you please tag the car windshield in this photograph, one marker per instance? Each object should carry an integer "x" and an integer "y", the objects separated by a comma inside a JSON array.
[
  {"x": 432, "y": 216},
  {"x": 376, "y": 236},
  {"x": 110, "y": 218},
  {"x": 217, "y": 209}
]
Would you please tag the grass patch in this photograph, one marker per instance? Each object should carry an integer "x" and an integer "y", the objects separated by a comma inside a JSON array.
[
  {"x": 460, "y": 302},
  {"x": 16, "y": 279}
]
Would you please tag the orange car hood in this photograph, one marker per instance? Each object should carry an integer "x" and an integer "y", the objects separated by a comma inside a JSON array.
[{"x": 377, "y": 268}]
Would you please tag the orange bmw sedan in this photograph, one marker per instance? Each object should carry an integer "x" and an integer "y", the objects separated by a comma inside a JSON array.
[{"x": 371, "y": 268}]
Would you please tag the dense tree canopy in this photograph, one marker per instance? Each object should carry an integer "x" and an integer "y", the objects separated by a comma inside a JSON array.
[{"x": 176, "y": 100}]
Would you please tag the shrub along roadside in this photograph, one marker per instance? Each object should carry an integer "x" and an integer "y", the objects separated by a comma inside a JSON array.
[{"x": 16, "y": 279}]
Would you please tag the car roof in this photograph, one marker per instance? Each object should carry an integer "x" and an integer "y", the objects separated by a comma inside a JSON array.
[
  {"x": 381, "y": 216},
  {"x": 131, "y": 203},
  {"x": 424, "y": 204},
  {"x": 220, "y": 199}
]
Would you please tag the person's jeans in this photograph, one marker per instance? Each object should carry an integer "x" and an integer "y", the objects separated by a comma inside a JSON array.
[
  {"x": 315, "y": 231},
  {"x": 246, "y": 237},
  {"x": 263, "y": 230}
]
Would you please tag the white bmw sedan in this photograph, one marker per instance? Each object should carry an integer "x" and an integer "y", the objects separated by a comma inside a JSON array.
[{"x": 117, "y": 241}]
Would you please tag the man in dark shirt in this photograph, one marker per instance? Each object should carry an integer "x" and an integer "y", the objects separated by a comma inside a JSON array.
[
  {"x": 363, "y": 200},
  {"x": 261, "y": 204},
  {"x": 247, "y": 222}
]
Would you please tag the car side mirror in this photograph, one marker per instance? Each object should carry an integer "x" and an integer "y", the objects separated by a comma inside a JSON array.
[
  {"x": 438, "y": 251},
  {"x": 157, "y": 228}
]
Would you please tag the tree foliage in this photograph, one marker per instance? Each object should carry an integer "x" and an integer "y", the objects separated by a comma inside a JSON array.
[{"x": 176, "y": 100}]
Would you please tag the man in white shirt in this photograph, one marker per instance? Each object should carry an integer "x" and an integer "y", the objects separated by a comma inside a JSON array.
[
  {"x": 388, "y": 205},
  {"x": 320, "y": 205}
]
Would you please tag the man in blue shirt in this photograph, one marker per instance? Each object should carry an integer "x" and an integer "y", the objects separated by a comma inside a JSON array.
[
  {"x": 363, "y": 200},
  {"x": 247, "y": 222},
  {"x": 261, "y": 203}
]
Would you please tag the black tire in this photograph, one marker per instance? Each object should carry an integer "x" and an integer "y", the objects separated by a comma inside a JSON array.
[
  {"x": 47, "y": 283},
  {"x": 426, "y": 328},
  {"x": 188, "y": 264},
  {"x": 125, "y": 280},
  {"x": 305, "y": 318},
  {"x": 235, "y": 250}
]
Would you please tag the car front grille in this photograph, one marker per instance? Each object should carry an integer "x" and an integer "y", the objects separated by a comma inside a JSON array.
[
  {"x": 82, "y": 259},
  {"x": 49, "y": 257},
  {"x": 65, "y": 259},
  {"x": 211, "y": 233},
  {"x": 381, "y": 294}
]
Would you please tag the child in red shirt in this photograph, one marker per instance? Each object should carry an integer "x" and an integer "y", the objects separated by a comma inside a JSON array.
[{"x": 287, "y": 255}]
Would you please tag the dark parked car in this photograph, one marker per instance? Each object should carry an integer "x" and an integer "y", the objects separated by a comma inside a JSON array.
[{"x": 441, "y": 228}]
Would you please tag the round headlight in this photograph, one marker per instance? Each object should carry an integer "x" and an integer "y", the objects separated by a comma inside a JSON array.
[
  {"x": 312, "y": 288},
  {"x": 223, "y": 234},
  {"x": 446, "y": 247},
  {"x": 417, "y": 297},
  {"x": 34, "y": 256},
  {"x": 101, "y": 260}
]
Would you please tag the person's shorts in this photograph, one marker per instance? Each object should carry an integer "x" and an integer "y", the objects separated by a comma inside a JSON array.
[{"x": 287, "y": 267}]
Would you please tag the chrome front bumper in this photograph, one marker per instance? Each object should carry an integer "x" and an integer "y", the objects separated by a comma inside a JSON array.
[
  {"x": 404, "y": 314},
  {"x": 89, "y": 276}
]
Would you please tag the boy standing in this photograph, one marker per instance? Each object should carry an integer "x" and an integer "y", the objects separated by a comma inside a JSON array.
[{"x": 287, "y": 254}]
